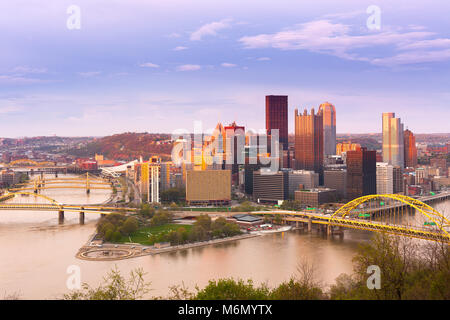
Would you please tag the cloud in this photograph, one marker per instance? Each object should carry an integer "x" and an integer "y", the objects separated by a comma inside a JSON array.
[
  {"x": 89, "y": 74},
  {"x": 179, "y": 48},
  {"x": 210, "y": 29},
  {"x": 26, "y": 69},
  {"x": 337, "y": 39},
  {"x": 174, "y": 35},
  {"x": 10, "y": 109},
  {"x": 149, "y": 65},
  {"x": 228, "y": 65},
  {"x": 414, "y": 57},
  {"x": 18, "y": 79},
  {"x": 263, "y": 59},
  {"x": 189, "y": 67}
]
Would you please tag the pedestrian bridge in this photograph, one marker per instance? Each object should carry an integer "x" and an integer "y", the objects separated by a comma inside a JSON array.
[{"x": 390, "y": 213}]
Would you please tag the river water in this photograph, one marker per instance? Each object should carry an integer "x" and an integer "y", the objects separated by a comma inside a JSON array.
[{"x": 36, "y": 251}]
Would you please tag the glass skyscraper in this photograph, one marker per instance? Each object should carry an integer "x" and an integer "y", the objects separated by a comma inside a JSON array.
[
  {"x": 393, "y": 141},
  {"x": 329, "y": 128},
  {"x": 309, "y": 141},
  {"x": 277, "y": 117}
]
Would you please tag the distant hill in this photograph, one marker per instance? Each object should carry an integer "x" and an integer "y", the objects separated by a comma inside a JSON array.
[{"x": 127, "y": 146}]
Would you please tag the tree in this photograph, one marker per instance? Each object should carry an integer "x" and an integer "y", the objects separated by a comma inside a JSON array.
[
  {"x": 146, "y": 210},
  {"x": 161, "y": 217},
  {"x": 295, "y": 290},
  {"x": 114, "y": 287},
  {"x": 203, "y": 221},
  {"x": 230, "y": 289},
  {"x": 130, "y": 225}
]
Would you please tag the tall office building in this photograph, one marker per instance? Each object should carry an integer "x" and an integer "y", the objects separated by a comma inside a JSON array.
[
  {"x": 336, "y": 179},
  {"x": 309, "y": 142},
  {"x": 398, "y": 179},
  {"x": 329, "y": 128},
  {"x": 361, "y": 173},
  {"x": 270, "y": 187},
  {"x": 385, "y": 178},
  {"x": 410, "y": 149},
  {"x": 346, "y": 146},
  {"x": 165, "y": 176},
  {"x": 393, "y": 141},
  {"x": 234, "y": 143},
  {"x": 277, "y": 117}
]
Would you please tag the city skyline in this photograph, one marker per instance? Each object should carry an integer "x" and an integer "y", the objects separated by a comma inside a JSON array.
[{"x": 217, "y": 64}]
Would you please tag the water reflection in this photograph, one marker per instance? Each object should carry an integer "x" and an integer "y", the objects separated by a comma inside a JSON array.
[{"x": 36, "y": 252}]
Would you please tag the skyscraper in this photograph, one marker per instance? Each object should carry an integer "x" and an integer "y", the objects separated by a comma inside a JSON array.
[
  {"x": 309, "y": 142},
  {"x": 410, "y": 149},
  {"x": 361, "y": 173},
  {"x": 329, "y": 128},
  {"x": 393, "y": 141},
  {"x": 234, "y": 149},
  {"x": 277, "y": 117},
  {"x": 385, "y": 178}
]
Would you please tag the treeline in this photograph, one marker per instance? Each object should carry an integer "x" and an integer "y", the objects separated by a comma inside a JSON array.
[
  {"x": 174, "y": 195},
  {"x": 113, "y": 226},
  {"x": 127, "y": 146},
  {"x": 409, "y": 270},
  {"x": 203, "y": 229}
]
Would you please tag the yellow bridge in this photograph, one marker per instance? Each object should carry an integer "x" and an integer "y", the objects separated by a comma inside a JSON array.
[
  {"x": 53, "y": 205},
  {"x": 86, "y": 181},
  {"x": 390, "y": 213}
]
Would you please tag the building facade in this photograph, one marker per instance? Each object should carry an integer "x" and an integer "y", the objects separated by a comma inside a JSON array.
[
  {"x": 277, "y": 117},
  {"x": 336, "y": 179},
  {"x": 208, "y": 187},
  {"x": 410, "y": 149},
  {"x": 393, "y": 140},
  {"x": 329, "y": 128},
  {"x": 309, "y": 141},
  {"x": 270, "y": 187},
  {"x": 304, "y": 178},
  {"x": 361, "y": 173},
  {"x": 385, "y": 178},
  {"x": 315, "y": 197},
  {"x": 346, "y": 146}
]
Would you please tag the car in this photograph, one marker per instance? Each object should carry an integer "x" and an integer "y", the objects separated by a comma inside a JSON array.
[{"x": 116, "y": 246}]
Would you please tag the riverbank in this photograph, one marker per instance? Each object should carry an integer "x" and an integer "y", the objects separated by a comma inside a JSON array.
[{"x": 95, "y": 251}]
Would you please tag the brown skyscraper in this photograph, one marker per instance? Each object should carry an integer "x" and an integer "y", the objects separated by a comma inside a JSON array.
[
  {"x": 309, "y": 141},
  {"x": 361, "y": 173},
  {"x": 410, "y": 149},
  {"x": 277, "y": 117}
]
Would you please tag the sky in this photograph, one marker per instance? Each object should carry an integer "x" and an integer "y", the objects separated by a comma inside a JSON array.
[{"x": 101, "y": 67}]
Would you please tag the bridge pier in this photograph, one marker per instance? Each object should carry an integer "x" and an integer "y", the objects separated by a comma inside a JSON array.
[
  {"x": 61, "y": 216},
  {"x": 309, "y": 224},
  {"x": 81, "y": 217}
]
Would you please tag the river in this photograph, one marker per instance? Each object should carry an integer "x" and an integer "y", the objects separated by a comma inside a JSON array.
[{"x": 36, "y": 251}]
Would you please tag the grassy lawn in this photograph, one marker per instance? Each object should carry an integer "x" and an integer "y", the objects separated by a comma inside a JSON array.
[{"x": 142, "y": 235}]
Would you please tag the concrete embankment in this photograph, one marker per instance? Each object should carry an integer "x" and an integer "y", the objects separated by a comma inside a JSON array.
[{"x": 109, "y": 251}]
